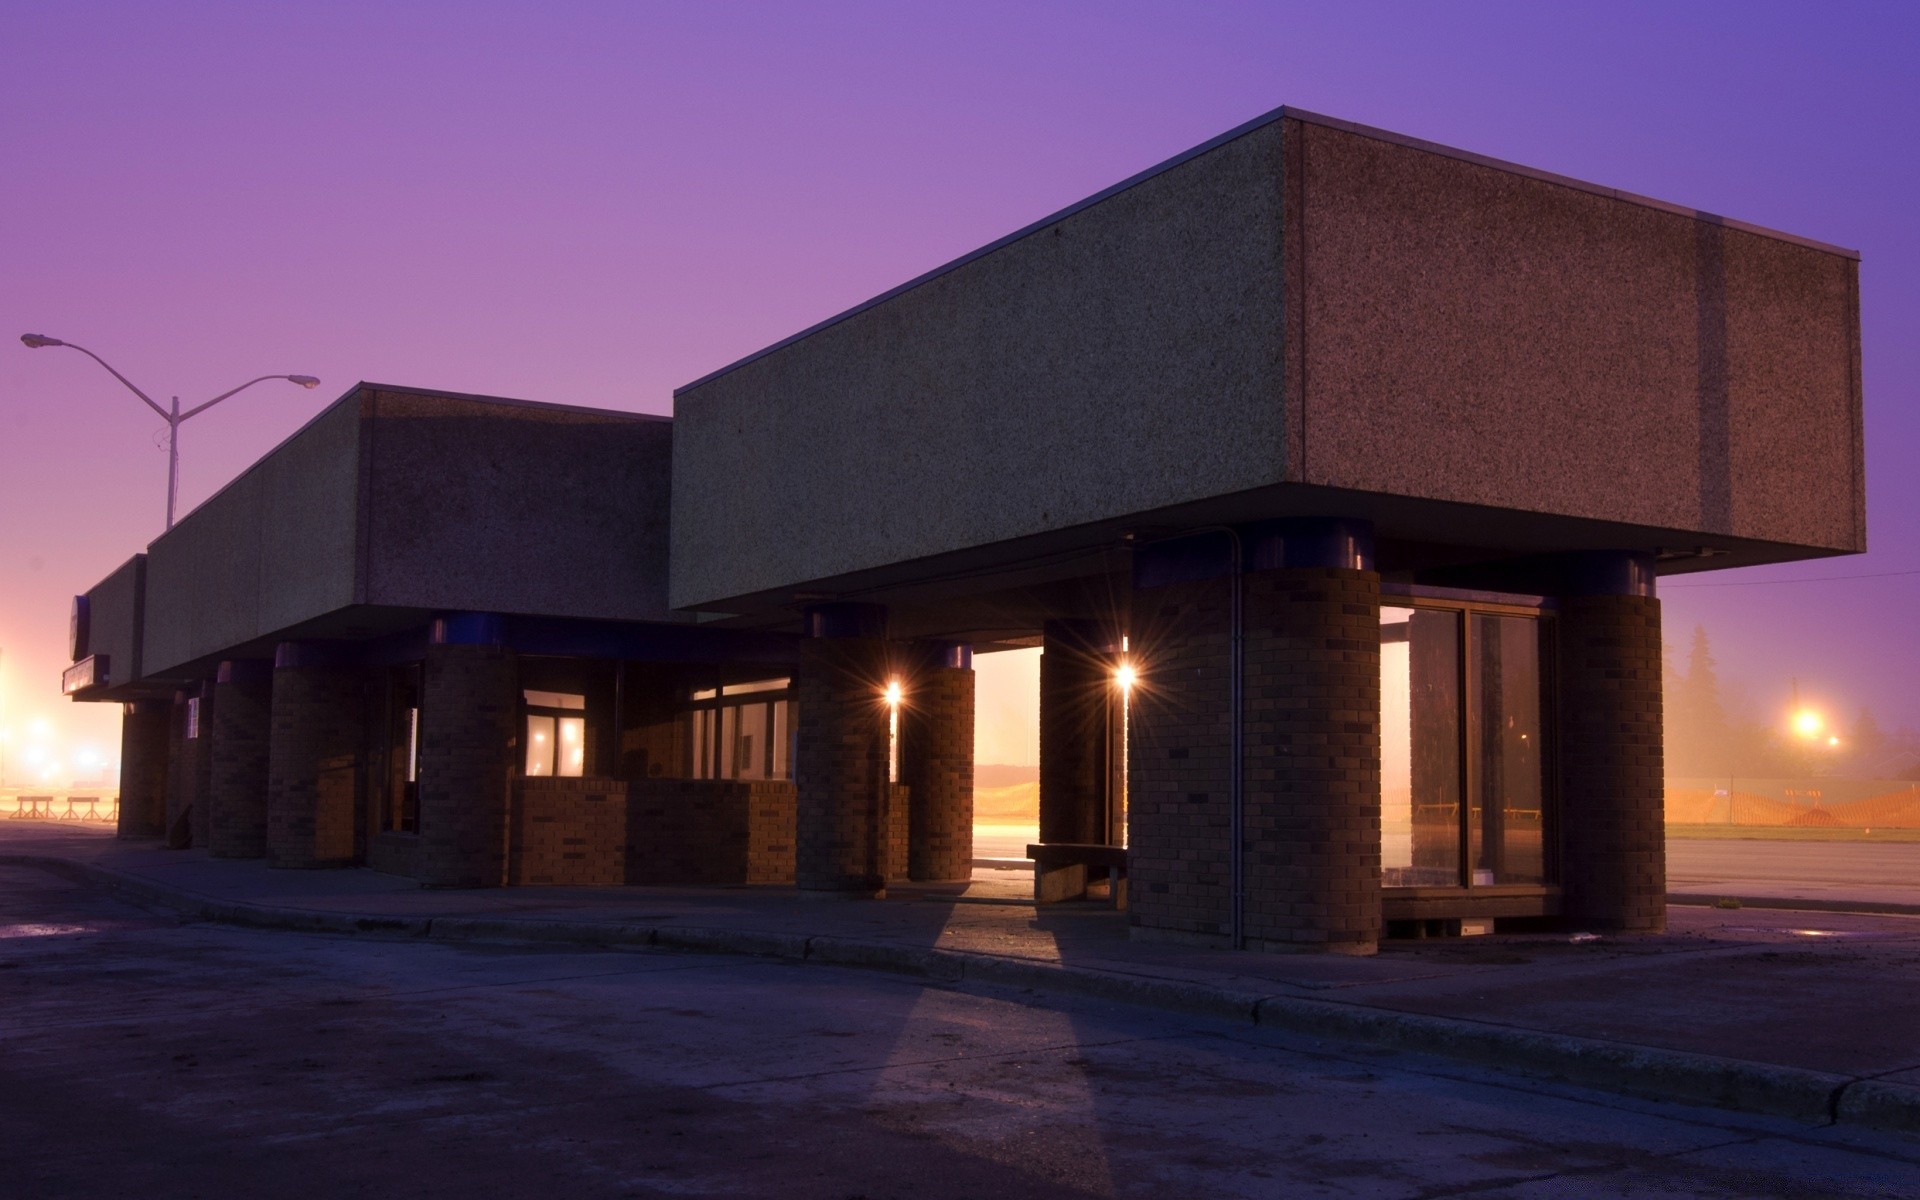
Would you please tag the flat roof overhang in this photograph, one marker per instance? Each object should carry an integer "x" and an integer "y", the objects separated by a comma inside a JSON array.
[{"x": 1000, "y": 594}]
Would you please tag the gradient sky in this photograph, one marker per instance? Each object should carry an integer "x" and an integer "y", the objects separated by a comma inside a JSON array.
[{"x": 595, "y": 202}]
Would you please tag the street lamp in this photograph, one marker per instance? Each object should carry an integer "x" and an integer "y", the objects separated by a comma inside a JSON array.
[{"x": 173, "y": 417}]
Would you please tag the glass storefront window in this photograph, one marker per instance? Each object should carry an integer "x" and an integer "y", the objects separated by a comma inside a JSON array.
[
  {"x": 1450, "y": 785},
  {"x": 741, "y": 730},
  {"x": 1507, "y": 834},
  {"x": 1419, "y": 747}
]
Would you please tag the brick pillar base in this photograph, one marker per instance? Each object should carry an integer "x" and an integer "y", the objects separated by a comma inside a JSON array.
[
  {"x": 469, "y": 740},
  {"x": 242, "y": 740},
  {"x": 1312, "y": 755},
  {"x": 313, "y": 766},
  {"x": 1076, "y": 682},
  {"x": 840, "y": 765},
  {"x": 1612, "y": 787},
  {"x": 936, "y": 765},
  {"x": 145, "y": 726}
]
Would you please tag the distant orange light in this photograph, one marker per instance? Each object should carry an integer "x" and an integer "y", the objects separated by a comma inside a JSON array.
[{"x": 1808, "y": 723}]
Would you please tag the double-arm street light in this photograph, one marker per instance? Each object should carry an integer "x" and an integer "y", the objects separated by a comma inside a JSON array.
[{"x": 173, "y": 417}]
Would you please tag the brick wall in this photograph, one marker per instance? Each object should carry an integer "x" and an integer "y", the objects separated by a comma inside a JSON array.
[
  {"x": 568, "y": 831},
  {"x": 237, "y": 784},
  {"x": 710, "y": 831},
  {"x": 1312, "y": 746},
  {"x": 840, "y": 765},
  {"x": 469, "y": 740},
  {"x": 1179, "y": 771},
  {"x": 1311, "y": 761},
  {"x": 1076, "y": 678},
  {"x": 1612, "y": 836},
  {"x": 316, "y": 717},
  {"x": 145, "y": 731},
  {"x": 936, "y": 769},
  {"x": 586, "y": 832},
  {"x": 188, "y": 767}
]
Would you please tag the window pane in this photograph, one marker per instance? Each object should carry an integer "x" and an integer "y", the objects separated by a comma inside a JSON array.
[
  {"x": 729, "y": 730},
  {"x": 782, "y": 725},
  {"x": 540, "y": 738},
  {"x": 1419, "y": 748},
  {"x": 750, "y": 751},
  {"x": 1507, "y": 839},
  {"x": 758, "y": 685},
  {"x": 573, "y": 745},
  {"x": 539, "y": 699},
  {"x": 702, "y": 743}
]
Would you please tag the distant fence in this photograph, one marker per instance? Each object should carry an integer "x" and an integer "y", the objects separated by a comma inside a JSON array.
[
  {"x": 56, "y": 804},
  {"x": 1795, "y": 803}
]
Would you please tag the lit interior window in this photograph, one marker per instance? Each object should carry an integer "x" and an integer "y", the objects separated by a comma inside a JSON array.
[{"x": 556, "y": 734}]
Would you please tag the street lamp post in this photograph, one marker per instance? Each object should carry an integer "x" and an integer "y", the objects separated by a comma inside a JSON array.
[{"x": 172, "y": 416}]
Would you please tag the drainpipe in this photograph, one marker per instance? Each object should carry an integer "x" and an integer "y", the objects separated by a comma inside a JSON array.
[{"x": 1236, "y": 671}]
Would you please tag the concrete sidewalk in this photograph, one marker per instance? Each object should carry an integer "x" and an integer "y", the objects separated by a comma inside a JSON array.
[{"x": 1816, "y": 1017}]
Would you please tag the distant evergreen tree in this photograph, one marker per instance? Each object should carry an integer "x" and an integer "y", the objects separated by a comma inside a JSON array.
[
  {"x": 1867, "y": 738},
  {"x": 1702, "y": 740}
]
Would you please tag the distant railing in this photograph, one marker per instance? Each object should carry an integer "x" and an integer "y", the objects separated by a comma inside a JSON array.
[{"x": 75, "y": 804}]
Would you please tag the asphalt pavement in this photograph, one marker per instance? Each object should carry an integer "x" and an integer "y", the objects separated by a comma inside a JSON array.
[
  {"x": 1815, "y": 1016},
  {"x": 141, "y": 1055}
]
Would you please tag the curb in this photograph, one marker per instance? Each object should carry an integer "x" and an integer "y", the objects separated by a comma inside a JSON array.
[{"x": 1814, "y": 1097}]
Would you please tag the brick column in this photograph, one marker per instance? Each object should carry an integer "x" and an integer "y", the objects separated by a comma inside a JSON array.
[
  {"x": 188, "y": 767},
  {"x": 936, "y": 763},
  {"x": 1179, "y": 768},
  {"x": 1076, "y": 683},
  {"x": 840, "y": 762},
  {"x": 469, "y": 743},
  {"x": 313, "y": 758},
  {"x": 242, "y": 738},
  {"x": 1312, "y": 753},
  {"x": 1612, "y": 787},
  {"x": 1309, "y": 726},
  {"x": 145, "y": 734}
]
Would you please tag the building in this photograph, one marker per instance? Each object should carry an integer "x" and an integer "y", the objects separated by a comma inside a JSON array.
[{"x": 1333, "y": 471}]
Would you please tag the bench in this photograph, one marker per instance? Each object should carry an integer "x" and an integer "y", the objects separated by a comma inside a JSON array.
[{"x": 1060, "y": 871}]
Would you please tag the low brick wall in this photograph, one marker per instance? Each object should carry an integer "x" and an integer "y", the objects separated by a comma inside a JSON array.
[
  {"x": 603, "y": 832},
  {"x": 568, "y": 831}
]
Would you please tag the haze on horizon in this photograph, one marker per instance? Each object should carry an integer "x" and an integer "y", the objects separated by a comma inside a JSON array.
[{"x": 593, "y": 203}]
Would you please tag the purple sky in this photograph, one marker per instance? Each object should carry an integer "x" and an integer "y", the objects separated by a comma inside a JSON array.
[{"x": 594, "y": 203}]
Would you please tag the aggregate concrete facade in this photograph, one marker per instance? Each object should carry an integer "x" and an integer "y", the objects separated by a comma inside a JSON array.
[{"x": 1297, "y": 312}]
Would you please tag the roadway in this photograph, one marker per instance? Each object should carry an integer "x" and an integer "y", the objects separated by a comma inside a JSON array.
[{"x": 140, "y": 1056}]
